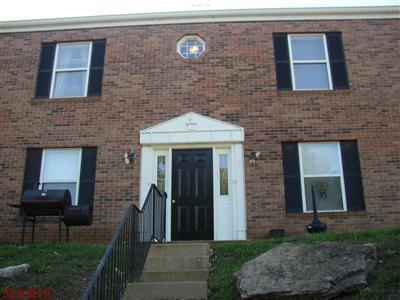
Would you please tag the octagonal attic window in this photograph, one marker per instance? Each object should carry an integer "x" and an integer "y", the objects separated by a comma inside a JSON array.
[{"x": 191, "y": 47}]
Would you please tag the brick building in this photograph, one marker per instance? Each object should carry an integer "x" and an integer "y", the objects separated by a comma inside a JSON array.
[{"x": 243, "y": 111}]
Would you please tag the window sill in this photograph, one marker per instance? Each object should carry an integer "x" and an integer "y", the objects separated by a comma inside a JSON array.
[
  {"x": 329, "y": 213},
  {"x": 326, "y": 211},
  {"x": 314, "y": 91},
  {"x": 66, "y": 100}
]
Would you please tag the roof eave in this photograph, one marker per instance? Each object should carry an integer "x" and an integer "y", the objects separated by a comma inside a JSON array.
[{"x": 205, "y": 16}]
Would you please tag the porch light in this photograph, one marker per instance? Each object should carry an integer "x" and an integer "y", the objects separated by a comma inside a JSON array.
[
  {"x": 253, "y": 157},
  {"x": 129, "y": 157}
]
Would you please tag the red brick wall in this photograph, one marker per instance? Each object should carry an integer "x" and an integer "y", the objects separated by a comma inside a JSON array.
[{"x": 146, "y": 82}]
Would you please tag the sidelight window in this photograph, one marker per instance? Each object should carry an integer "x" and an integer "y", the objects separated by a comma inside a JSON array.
[
  {"x": 161, "y": 173},
  {"x": 223, "y": 175}
]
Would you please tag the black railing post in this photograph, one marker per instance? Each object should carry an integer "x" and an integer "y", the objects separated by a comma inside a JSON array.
[
  {"x": 132, "y": 235},
  {"x": 164, "y": 223},
  {"x": 153, "y": 215}
]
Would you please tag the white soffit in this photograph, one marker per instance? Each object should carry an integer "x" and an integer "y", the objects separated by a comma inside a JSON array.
[
  {"x": 211, "y": 16},
  {"x": 191, "y": 128}
]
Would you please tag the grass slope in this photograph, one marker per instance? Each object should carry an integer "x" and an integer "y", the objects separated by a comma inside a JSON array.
[
  {"x": 384, "y": 281},
  {"x": 65, "y": 268}
]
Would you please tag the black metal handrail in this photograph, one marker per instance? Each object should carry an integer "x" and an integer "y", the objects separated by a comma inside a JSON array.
[{"x": 126, "y": 254}]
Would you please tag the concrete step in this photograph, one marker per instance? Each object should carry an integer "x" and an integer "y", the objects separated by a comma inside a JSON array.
[
  {"x": 196, "y": 290},
  {"x": 176, "y": 276},
  {"x": 173, "y": 271},
  {"x": 179, "y": 249},
  {"x": 180, "y": 263}
]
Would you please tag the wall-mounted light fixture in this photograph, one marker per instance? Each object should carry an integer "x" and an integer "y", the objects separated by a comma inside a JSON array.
[
  {"x": 129, "y": 157},
  {"x": 253, "y": 157}
]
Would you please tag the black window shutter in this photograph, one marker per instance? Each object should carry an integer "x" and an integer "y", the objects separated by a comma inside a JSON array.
[
  {"x": 33, "y": 164},
  {"x": 337, "y": 60},
  {"x": 282, "y": 61},
  {"x": 96, "y": 68},
  {"x": 291, "y": 172},
  {"x": 87, "y": 177},
  {"x": 352, "y": 176},
  {"x": 45, "y": 70}
]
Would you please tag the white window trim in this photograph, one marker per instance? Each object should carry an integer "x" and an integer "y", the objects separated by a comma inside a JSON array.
[
  {"x": 186, "y": 38},
  {"x": 326, "y": 61},
  {"x": 55, "y": 70},
  {"x": 340, "y": 174},
  {"x": 41, "y": 181}
]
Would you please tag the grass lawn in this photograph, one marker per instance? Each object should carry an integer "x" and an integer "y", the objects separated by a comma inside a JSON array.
[
  {"x": 65, "y": 268},
  {"x": 384, "y": 281}
]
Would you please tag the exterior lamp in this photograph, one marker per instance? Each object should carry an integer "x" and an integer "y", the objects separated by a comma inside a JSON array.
[
  {"x": 129, "y": 157},
  {"x": 253, "y": 157}
]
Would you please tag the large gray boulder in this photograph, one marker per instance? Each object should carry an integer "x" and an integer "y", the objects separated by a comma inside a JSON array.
[
  {"x": 306, "y": 271},
  {"x": 13, "y": 271}
]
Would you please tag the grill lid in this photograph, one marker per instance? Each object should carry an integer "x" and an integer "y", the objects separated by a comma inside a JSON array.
[{"x": 46, "y": 197}]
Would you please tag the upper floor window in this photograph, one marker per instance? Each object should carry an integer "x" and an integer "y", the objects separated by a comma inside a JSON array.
[
  {"x": 310, "y": 61},
  {"x": 190, "y": 47},
  {"x": 70, "y": 69}
]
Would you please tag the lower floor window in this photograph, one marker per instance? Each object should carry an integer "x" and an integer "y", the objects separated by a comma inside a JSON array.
[
  {"x": 61, "y": 170},
  {"x": 321, "y": 171},
  {"x": 73, "y": 169},
  {"x": 329, "y": 170}
]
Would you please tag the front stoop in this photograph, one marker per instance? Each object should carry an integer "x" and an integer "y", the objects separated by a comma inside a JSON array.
[{"x": 173, "y": 271}]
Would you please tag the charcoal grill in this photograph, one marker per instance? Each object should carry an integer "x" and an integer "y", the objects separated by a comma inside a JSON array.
[
  {"x": 77, "y": 216},
  {"x": 43, "y": 203},
  {"x": 52, "y": 203}
]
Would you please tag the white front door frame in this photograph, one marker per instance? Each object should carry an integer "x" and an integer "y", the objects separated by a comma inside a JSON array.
[{"x": 222, "y": 138}]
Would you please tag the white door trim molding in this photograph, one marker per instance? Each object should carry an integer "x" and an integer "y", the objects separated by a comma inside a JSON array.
[{"x": 192, "y": 131}]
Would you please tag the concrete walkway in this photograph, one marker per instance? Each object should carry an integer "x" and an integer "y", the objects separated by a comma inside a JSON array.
[{"x": 173, "y": 271}]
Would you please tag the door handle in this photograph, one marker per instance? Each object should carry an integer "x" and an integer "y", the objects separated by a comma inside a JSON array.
[{"x": 173, "y": 201}]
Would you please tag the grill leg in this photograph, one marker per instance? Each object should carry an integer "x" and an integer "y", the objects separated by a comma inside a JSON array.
[
  {"x": 33, "y": 228},
  {"x": 23, "y": 229},
  {"x": 68, "y": 234},
  {"x": 59, "y": 226}
]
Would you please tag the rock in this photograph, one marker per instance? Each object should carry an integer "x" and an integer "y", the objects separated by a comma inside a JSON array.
[
  {"x": 14, "y": 271},
  {"x": 306, "y": 271}
]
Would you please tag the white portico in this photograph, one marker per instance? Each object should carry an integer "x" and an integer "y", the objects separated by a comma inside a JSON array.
[{"x": 194, "y": 131}]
